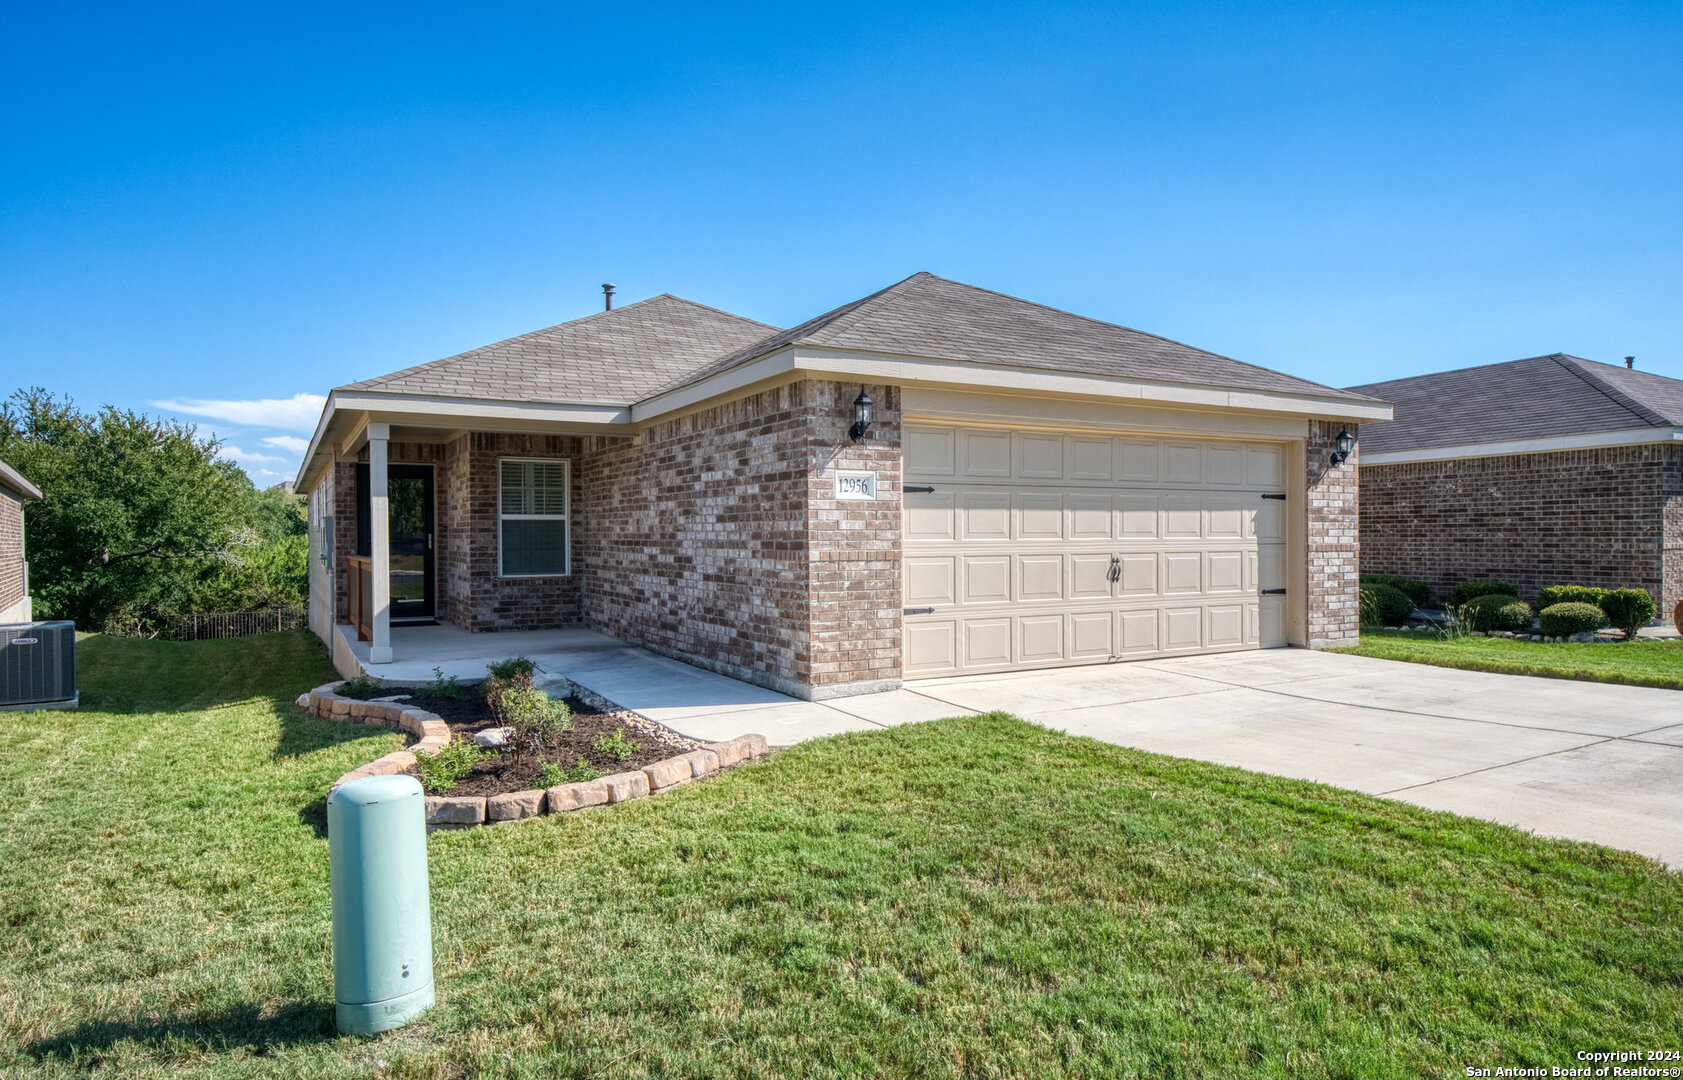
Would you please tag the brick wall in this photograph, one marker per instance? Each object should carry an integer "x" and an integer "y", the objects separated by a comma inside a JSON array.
[
  {"x": 693, "y": 536},
  {"x": 1581, "y": 517},
  {"x": 11, "y": 550},
  {"x": 1333, "y": 603},
  {"x": 853, "y": 547}
]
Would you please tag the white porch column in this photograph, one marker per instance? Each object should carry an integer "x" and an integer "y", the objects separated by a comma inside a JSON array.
[{"x": 380, "y": 544}]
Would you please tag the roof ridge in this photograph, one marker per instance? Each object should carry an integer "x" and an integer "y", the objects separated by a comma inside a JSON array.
[{"x": 1574, "y": 364}]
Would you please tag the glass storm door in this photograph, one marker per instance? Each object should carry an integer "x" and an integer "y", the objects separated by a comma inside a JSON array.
[{"x": 409, "y": 491}]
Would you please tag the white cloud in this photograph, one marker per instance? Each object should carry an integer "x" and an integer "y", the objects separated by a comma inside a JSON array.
[
  {"x": 244, "y": 456},
  {"x": 288, "y": 442},
  {"x": 296, "y": 413}
]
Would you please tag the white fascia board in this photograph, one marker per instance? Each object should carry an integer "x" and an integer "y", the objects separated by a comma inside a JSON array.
[
  {"x": 10, "y": 477},
  {"x": 902, "y": 370},
  {"x": 417, "y": 410},
  {"x": 1633, "y": 437}
]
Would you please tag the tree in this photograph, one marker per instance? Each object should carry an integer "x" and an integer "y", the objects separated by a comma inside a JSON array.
[{"x": 138, "y": 520}]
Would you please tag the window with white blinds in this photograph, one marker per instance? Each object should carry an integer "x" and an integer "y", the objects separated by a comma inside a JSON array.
[{"x": 532, "y": 517}]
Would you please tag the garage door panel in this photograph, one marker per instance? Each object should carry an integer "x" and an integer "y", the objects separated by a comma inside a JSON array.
[
  {"x": 1040, "y": 548},
  {"x": 1040, "y": 577},
  {"x": 929, "y": 581},
  {"x": 1039, "y": 517},
  {"x": 984, "y": 515},
  {"x": 930, "y": 516},
  {"x": 1040, "y": 638},
  {"x": 1089, "y": 575}
]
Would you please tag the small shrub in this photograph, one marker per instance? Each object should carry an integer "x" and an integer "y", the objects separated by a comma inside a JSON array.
[
  {"x": 515, "y": 667},
  {"x": 1569, "y": 594},
  {"x": 1496, "y": 611},
  {"x": 444, "y": 770},
  {"x": 616, "y": 745},
  {"x": 1383, "y": 605},
  {"x": 1564, "y": 620},
  {"x": 442, "y": 687},
  {"x": 1628, "y": 609},
  {"x": 359, "y": 685},
  {"x": 1417, "y": 591},
  {"x": 533, "y": 719},
  {"x": 580, "y": 773},
  {"x": 1472, "y": 590}
]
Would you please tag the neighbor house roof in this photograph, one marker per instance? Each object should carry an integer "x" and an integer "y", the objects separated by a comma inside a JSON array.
[
  {"x": 1541, "y": 397},
  {"x": 13, "y": 481},
  {"x": 613, "y": 357},
  {"x": 929, "y": 316}
]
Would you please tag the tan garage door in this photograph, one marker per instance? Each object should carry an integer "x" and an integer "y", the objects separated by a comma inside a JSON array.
[{"x": 1036, "y": 549}]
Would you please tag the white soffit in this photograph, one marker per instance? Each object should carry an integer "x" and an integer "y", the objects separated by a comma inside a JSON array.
[{"x": 1634, "y": 437}]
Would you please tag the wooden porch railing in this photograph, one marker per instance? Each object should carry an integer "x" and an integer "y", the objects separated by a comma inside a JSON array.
[{"x": 359, "y": 595}]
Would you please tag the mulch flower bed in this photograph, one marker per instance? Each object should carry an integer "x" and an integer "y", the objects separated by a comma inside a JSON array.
[{"x": 504, "y": 771}]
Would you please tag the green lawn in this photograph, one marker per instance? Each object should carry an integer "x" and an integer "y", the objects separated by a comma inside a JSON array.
[
  {"x": 975, "y": 897},
  {"x": 1637, "y": 663}
]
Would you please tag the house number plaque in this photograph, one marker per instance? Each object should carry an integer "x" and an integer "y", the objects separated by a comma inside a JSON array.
[{"x": 856, "y": 485}]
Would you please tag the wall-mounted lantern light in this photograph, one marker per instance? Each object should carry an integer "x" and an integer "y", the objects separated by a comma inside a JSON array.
[
  {"x": 861, "y": 416},
  {"x": 1342, "y": 446}
]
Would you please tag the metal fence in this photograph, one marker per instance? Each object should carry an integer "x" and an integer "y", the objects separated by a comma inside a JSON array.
[{"x": 228, "y": 624}]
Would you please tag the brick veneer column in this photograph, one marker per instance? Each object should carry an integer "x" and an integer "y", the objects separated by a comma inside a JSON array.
[
  {"x": 853, "y": 547},
  {"x": 1333, "y": 603},
  {"x": 11, "y": 551},
  {"x": 1671, "y": 559}
]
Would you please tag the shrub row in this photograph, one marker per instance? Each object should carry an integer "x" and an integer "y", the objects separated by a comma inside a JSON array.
[{"x": 1418, "y": 592}]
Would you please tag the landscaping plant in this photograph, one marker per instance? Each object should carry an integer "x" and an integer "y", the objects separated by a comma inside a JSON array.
[
  {"x": 444, "y": 770},
  {"x": 1628, "y": 609},
  {"x": 359, "y": 685},
  {"x": 1472, "y": 590},
  {"x": 1417, "y": 591},
  {"x": 1569, "y": 594},
  {"x": 1385, "y": 605},
  {"x": 616, "y": 745},
  {"x": 1564, "y": 620},
  {"x": 442, "y": 687},
  {"x": 581, "y": 772},
  {"x": 515, "y": 667},
  {"x": 1495, "y": 611}
]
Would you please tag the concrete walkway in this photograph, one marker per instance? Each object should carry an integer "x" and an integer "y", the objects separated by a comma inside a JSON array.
[{"x": 1586, "y": 761}]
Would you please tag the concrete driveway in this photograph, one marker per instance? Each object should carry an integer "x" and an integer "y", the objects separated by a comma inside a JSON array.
[{"x": 1586, "y": 761}]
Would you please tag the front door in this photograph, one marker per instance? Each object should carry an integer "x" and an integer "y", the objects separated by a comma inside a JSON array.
[{"x": 409, "y": 494}]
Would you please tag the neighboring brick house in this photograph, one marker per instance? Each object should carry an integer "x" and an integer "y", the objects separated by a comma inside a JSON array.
[
  {"x": 1034, "y": 488},
  {"x": 1552, "y": 470},
  {"x": 14, "y": 571}
]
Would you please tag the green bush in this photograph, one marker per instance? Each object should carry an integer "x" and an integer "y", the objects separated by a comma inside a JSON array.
[
  {"x": 1569, "y": 594},
  {"x": 1564, "y": 620},
  {"x": 1628, "y": 609},
  {"x": 580, "y": 773},
  {"x": 444, "y": 770},
  {"x": 442, "y": 687},
  {"x": 1383, "y": 605},
  {"x": 616, "y": 745},
  {"x": 358, "y": 686},
  {"x": 1496, "y": 611},
  {"x": 513, "y": 669},
  {"x": 1417, "y": 591},
  {"x": 1472, "y": 590},
  {"x": 532, "y": 719}
]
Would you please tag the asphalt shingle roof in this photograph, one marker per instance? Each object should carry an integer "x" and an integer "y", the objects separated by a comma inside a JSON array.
[
  {"x": 929, "y": 316},
  {"x": 613, "y": 357},
  {"x": 1536, "y": 398}
]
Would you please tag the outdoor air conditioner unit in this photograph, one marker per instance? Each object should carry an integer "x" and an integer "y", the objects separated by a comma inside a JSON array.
[{"x": 38, "y": 665}]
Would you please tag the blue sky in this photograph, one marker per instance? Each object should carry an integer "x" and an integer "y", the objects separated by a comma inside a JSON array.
[{"x": 222, "y": 207}]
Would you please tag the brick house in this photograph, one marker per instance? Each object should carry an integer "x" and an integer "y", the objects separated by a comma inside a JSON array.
[
  {"x": 1546, "y": 471},
  {"x": 1033, "y": 489},
  {"x": 14, "y": 571}
]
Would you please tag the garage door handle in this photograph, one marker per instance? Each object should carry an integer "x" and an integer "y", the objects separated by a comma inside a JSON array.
[
  {"x": 1273, "y": 592},
  {"x": 917, "y": 611},
  {"x": 1116, "y": 568},
  {"x": 921, "y": 489},
  {"x": 1271, "y": 495}
]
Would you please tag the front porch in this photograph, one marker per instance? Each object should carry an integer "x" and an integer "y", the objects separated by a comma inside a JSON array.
[{"x": 690, "y": 700}]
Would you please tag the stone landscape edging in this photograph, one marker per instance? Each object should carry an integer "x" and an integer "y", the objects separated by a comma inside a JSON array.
[{"x": 467, "y": 811}]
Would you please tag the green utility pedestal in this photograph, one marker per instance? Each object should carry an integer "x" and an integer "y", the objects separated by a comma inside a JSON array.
[{"x": 382, "y": 919}]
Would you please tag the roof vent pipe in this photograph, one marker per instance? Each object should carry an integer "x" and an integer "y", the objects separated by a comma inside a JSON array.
[
  {"x": 607, "y": 296},
  {"x": 1630, "y": 362}
]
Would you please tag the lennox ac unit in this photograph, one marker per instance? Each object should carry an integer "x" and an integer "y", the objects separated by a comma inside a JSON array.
[{"x": 38, "y": 666}]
